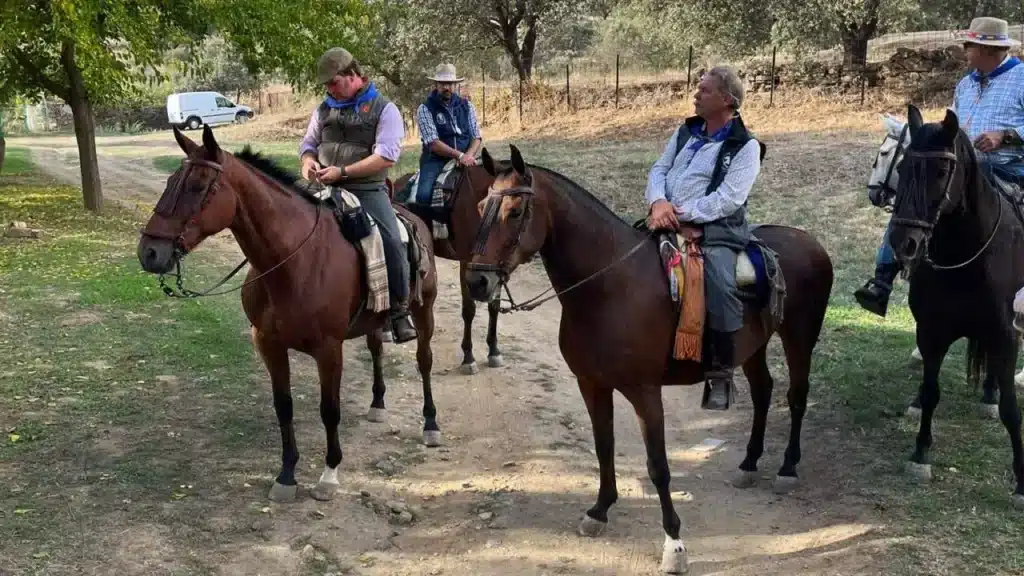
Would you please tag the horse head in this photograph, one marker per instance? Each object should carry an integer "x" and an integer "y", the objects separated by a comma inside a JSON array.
[
  {"x": 931, "y": 183},
  {"x": 511, "y": 231},
  {"x": 884, "y": 178},
  {"x": 193, "y": 206}
]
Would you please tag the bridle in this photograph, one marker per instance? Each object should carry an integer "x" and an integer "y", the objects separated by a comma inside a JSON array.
[
  {"x": 929, "y": 227},
  {"x": 884, "y": 186},
  {"x": 166, "y": 208}
]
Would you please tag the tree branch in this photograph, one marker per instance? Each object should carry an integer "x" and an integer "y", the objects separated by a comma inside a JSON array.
[{"x": 36, "y": 73}]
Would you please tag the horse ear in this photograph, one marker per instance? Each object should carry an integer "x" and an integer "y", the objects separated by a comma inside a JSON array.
[
  {"x": 914, "y": 117},
  {"x": 212, "y": 148},
  {"x": 186, "y": 144},
  {"x": 950, "y": 125},
  {"x": 517, "y": 161},
  {"x": 485, "y": 156}
]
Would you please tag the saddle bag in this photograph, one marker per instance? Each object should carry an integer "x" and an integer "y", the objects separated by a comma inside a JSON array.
[{"x": 355, "y": 223}]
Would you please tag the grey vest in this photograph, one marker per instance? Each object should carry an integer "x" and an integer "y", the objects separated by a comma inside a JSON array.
[{"x": 348, "y": 136}]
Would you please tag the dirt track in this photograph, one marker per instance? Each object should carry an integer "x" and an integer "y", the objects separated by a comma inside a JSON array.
[{"x": 506, "y": 492}]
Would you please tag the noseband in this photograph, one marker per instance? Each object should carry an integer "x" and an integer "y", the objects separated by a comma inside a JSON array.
[
  {"x": 884, "y": 186},
  {"x": 490, "y": 217}
]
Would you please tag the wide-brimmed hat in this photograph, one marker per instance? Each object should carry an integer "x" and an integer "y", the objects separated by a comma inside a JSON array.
[
  {"x": 445, "y": 73},
  {"x": 988, "y": 32}
]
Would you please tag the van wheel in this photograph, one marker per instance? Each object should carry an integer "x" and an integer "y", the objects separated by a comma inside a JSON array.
[
  {"x": 241, "y": 118},
  {"x": 193, "y": 123}
]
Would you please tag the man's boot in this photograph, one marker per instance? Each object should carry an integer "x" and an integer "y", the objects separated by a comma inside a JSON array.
[
  {"x": 873, "y": 296},
  {"x": 402, "y": 329},
  {"x": 718, "y": 384}
]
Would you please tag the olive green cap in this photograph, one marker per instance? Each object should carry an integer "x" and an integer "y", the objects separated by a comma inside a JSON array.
[{"x": 332, "y": 63}]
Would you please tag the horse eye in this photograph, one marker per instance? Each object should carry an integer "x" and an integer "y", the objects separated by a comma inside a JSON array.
[{"x": 515, "y": 212}]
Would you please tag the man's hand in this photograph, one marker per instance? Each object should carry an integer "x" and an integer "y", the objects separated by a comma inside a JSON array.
[
  {"x": 309, "y": 168},
  {"x": 467, "y": 160},
  {"x": 662, "y": 216},
  {"x": 329, "y": 175},
  {"x": 989, "y": 141}
]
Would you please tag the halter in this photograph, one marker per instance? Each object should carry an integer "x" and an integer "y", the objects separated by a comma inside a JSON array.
[
  {"x": 884, "y": 186},
  {"x": 929, "y": 227},
  {"x": 490, "y": 216}
]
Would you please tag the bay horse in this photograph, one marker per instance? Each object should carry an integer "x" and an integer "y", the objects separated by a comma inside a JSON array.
[
  {"x": 471, "y": 184},
  {"x": 305, "y": 291},
  {"x": 618, "y": 322},
  {"x": 883, "y": 182},
  {"x": 962, "y": 245}
]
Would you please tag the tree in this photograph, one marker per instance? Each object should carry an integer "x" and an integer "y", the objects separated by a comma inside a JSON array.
[{"x": 87, "y": 52}]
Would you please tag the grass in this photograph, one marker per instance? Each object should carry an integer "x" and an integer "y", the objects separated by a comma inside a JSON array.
[{"x": 17, "y": 162}]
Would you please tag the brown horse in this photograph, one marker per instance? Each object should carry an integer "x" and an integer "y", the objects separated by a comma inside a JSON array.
[
  {"x": 463, "y": 221},
  {"x": 618, "y": 322},
  {"x": 306, "y": 290}
]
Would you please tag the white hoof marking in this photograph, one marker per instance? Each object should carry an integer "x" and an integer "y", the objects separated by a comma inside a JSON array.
[
  {"x": 590, "y": 527},
  {"x": 673, "y": 557},
  {"x": 378, "y": 415},
  {"x": 919, "y": 472},
  {"x": 469, "y": 369},
  {"x": 282, "y": 493},
  {"x": 432, "y": 438},
  {"x": 495, "y": 361}
]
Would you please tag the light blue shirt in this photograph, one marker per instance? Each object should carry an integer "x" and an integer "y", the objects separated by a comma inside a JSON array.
[{"x": 1000, "y": 106}]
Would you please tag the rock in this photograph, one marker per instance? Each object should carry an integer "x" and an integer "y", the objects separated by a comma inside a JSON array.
[
  {"x": 403, "y": 519},
  {"x": 499, "y": 523},
  {"x": 396, "y": 507},
  {"x": 416, "y": 511},
  {"x": 386, "y": 467},
  {"x": 485, "y": 516},
  {"x": 365, "y": 493},
  {"x": 509, "y": 464}
]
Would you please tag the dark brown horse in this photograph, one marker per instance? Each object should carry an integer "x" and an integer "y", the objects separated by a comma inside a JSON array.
[
  {"x": 463, "y": 221},
  {"x": 306, "y": 289},
  {"x": 618, "y": 323}
]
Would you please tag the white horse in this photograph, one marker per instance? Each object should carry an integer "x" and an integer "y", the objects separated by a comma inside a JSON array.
[{"x": 884, "y": 179}]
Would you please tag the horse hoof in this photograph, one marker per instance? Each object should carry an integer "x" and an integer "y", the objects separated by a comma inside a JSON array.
[
  {"x": 469, "y": 369},
  {"x": 1019, "y": 379},
  {"x": 989, "y": 411},
  {"x": 432, "y": 438},
  {"x": 495, "y": 361},
  {"x": 283, "y": 493},
  {"x": 785, "y": 484},
  {"x": 673, "y": 557},
  {"x": 1018, "y": 501},
  {"x": 919, "y": 472},
  {"x": 745, "y": 479},
  {"x": 591, "y": 528},
  {"x": 378, "y": 415},
  {"x": 386, "y": 336},
  {"x": 913, "y": 412},
  {"x": 324, "y": 491}
]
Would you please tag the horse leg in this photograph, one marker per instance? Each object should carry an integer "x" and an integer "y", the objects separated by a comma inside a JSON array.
[
  {"x": 1002, "y": 363},
  {"x": 600, "y": 407},
  {"x": 275, "y": 358},
  {"x": 494, "y": 359},
  {"x": 468, "y": 312},
  {"x": 761, "y": 384},
  {"x": 933, "y": 352},
  {"x": 990, "y": 395},
  {"x": 329, "y": 364},
  {"x": 378, "y": 412},
  {"x": 423, "y": 313},
  {"x": 647, "y": 403},
  {"x": 798, "y": 358}
]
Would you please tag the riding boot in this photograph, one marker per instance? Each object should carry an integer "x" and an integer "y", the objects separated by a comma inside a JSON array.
[
  {"x": 873, "y": 296},
  {"x": 718, "y": 386},
  {"x": 402, "y": 328}
]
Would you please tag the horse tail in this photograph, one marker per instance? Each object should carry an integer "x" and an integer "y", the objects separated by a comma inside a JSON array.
[{"x": 976, "y": 358}]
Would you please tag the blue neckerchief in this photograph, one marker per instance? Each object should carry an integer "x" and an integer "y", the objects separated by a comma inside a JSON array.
[
  {"x": 1004, "y": 67},
  {"x": 699, "y": 139},
  {"x": 368, "y": 94}
]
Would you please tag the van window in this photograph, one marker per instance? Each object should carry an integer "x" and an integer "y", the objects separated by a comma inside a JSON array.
[{"x": 224, "y": 103}]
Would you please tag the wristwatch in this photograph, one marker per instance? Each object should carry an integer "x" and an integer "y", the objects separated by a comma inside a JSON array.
[
  {"x": 344, "y": 171},
  {"x": 459, "y": 157}
]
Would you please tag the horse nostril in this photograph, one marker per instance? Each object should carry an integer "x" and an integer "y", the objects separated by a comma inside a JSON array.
[{"x": 910, "y": 248}]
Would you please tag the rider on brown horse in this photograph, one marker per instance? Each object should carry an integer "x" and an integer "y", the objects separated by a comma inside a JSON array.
[
  {"x": 703, "y": 178},
  {"x": 353, "y": 138}
]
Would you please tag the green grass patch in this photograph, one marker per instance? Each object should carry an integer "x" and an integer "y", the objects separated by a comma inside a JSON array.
[{"x": 17, "y": 161}]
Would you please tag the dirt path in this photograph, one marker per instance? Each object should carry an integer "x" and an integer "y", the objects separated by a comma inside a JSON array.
[{"x": 506, "y": 492}]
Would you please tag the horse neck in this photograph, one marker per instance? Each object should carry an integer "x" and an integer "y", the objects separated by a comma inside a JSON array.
[
  {"x": 270, "y": 222},
  {"x": 465, "y": 219},
  {"x": 966, "y": 230},
  {"x": 582, "y": 238}
]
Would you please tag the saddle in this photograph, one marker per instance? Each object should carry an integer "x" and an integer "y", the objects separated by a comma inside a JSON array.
[
  {"x": 1013, "y": 193},
  {"x": 759, "y": 283},
  {"x": 440, "y": 199}
]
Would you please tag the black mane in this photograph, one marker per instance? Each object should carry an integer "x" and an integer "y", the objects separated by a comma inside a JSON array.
[
  {"x": 577, "y": 191},
  {"x": 282, "y": 175}
]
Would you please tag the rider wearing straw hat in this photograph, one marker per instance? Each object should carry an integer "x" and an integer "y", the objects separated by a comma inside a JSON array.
[
  {"x": 989, "y": 102},
  {"x": 448, "y": 130}
]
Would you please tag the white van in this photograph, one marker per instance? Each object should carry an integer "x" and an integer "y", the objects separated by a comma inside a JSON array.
[{"x": 193, "y": 109}]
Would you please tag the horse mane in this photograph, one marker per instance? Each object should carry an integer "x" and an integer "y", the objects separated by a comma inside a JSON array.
[
  {"x": 575, "y": 190},
  {"x": 272, "y": 169}
]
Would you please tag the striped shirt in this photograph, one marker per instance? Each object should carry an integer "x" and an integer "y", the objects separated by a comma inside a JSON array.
[
  {"x": 999, "y": 106},
  {"x": 428, "y": 130},
  {"x": 683, "y": 179}
]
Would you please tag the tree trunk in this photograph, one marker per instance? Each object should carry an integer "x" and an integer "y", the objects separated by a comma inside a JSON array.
[
  {"x": 3, "y": 152},
  {"x": 85, "y": 130}
]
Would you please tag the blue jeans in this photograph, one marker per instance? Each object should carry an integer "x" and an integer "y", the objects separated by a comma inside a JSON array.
[
  {"x": 885, "y": 255},
  {"x": 430, "y": 168}
]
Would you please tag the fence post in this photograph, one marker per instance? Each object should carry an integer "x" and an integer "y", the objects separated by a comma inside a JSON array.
[
  {"x": 771, "y": 93},
  {"x": 520, "y": 101},
  {"x": 689, "y": 68},
  {"x": 863, "y": 83},
  {"x": 568, "y": 106},
  {"x": 616, "y": 81},
  {"x": 483, "y": 95}
]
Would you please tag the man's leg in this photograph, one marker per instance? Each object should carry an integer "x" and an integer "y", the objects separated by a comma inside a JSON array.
[
  {"x": 725, "y": 318},
  {"x": 873, "y": 296},
  {"x": 379, "y": 207},
  {"x": 430, "y": 169}
]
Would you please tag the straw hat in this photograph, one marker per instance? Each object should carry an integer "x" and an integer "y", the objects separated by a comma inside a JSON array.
[
  {"x": 445, "y": 73},
  {"x": 988, "y": 32}
]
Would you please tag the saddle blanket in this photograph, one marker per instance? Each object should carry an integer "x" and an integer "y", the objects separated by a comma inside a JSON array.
[{"x": 437, "y": 199}]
